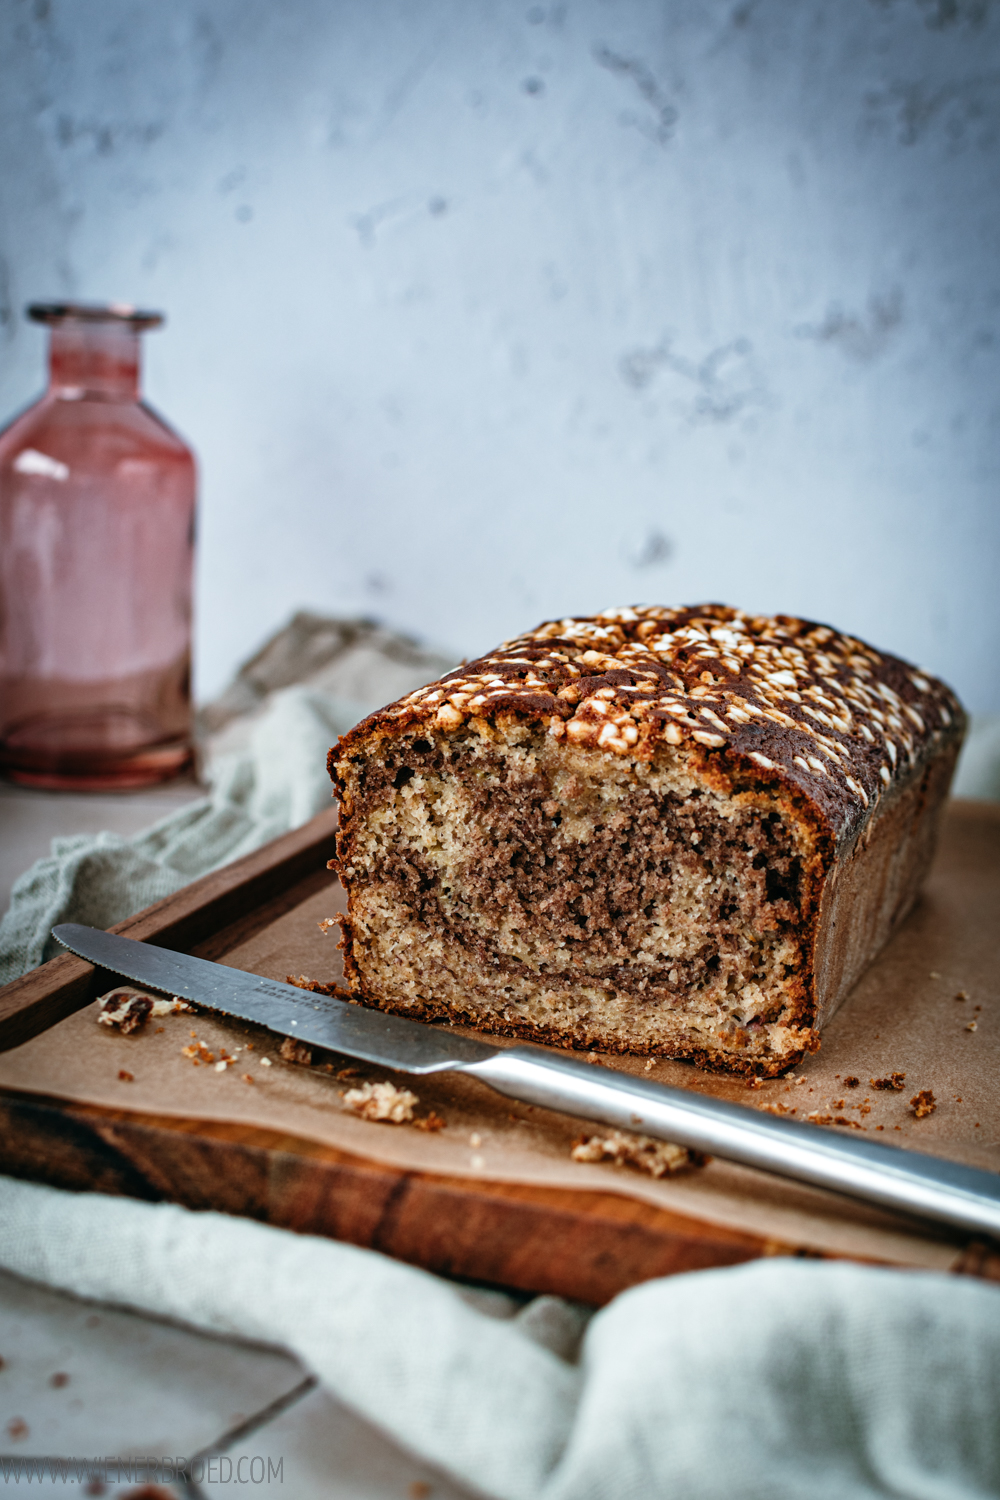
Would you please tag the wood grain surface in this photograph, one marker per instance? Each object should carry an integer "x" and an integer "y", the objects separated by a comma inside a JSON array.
[{"x": 584, "y": 1245}]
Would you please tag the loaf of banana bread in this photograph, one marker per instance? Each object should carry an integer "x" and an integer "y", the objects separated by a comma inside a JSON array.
[{"x": 683, "y": 832}]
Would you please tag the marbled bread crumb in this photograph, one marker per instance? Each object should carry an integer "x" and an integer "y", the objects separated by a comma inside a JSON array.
[{"x": 657, "y": 1158}]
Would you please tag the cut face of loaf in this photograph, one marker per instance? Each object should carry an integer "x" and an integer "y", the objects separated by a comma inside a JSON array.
[{"x": 677, "y": 832}]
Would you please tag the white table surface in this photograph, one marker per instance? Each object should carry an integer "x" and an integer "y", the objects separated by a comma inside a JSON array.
[{"x": 88, "y": 1382}]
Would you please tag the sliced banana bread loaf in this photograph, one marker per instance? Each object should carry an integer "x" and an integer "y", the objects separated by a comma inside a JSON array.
[{"x": 672, "y": 831}]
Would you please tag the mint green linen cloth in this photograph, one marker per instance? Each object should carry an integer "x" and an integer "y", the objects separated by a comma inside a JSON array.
[{"x": 780, "y": 1380}]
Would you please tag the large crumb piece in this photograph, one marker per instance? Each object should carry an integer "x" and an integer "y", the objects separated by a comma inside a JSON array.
[
  {"x": 295, "y": 1052},
  {"x": 816, "y": 1118},
  {"x": 382, "y": 1101},
  {"x": 658, "y": 1158},
  {"x": 923, "y": 1104},
  {"x": 316, "y": 986},
  {"x": 129, "y": 1011},
  {"x": 128, "y": 1016},
  {"x": 893, "y": 1081}
]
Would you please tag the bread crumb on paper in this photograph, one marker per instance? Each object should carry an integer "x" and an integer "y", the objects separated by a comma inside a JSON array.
[
  {"x": 892, "y": 1081},
  {"x": 128, "y": 1011},
  {"x": 327, "y": 924},
  {"x": 382, "y": 1101},
  {"x": 316, "y": 986},
  {"x": 816, "y": 1118},
  {"x": 777, "y": 1108},
  {"x": 296, "y": 1052},
  {"x": 923, "y": 1104},
  {"x": 132, "y": 1017},
  {"x": 658, "y": 1158},
  {"x": 198, "y": 1052}
]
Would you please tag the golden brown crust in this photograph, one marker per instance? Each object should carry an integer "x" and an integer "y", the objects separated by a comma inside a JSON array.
[{"x": 821, "y": 712}]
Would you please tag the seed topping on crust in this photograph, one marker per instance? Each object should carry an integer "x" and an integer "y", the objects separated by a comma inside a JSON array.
[{"x": 800, "y": 700}]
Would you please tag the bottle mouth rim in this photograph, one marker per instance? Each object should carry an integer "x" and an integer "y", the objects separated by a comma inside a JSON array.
[{"x": 121, "y": 313}]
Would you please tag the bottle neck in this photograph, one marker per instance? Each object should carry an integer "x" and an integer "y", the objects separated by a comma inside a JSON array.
[{"x": 94, "y": 359}]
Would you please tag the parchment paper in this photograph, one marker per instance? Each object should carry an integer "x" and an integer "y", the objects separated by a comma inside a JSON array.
[{"x": 902, "y": 1017}]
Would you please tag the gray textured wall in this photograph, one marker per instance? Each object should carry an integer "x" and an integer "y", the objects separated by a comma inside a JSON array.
[{"x": 484, "y": 312}]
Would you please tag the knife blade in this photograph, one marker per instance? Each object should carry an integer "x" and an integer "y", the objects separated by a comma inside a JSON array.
[{"x": 962, "y": 1197}]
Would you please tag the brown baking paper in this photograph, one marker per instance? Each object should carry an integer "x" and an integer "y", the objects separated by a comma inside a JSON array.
[{"x": 903, "y": 1017}]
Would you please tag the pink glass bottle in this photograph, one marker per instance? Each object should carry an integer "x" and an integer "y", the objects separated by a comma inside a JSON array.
[{"x": 96, "y": 548}]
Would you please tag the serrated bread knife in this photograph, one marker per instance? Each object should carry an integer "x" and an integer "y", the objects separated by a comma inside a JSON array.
[{"x": 963, "y": 1197}]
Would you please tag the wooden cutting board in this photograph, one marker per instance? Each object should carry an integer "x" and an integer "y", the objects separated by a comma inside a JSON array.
[{"x": 509, "y": 1226}]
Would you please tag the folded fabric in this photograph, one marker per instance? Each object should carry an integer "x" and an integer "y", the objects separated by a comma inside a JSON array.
[
  {"x": 775, "y": 1381},
  {"x": 275, "y": 782}
]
